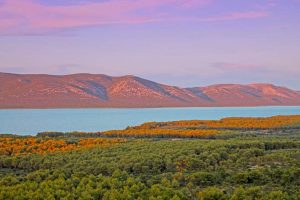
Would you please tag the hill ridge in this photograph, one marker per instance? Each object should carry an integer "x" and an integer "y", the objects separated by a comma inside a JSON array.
[{"x": 100, "y": 90}]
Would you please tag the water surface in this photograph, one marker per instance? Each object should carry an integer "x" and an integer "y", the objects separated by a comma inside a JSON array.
[{"x": 32, "y": 121}]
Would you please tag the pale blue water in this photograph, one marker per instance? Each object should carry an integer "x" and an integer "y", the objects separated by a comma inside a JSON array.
[{"x": 32, "y": 121}]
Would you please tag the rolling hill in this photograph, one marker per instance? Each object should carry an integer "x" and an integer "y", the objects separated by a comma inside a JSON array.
[{"x": 97, "y": 90}]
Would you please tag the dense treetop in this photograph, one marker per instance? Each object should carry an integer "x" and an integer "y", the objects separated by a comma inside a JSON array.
[{"x": 232, "y": 164}]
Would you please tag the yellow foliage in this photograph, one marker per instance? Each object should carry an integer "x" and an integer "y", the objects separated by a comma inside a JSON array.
[
  {"x": 17, "y": 146},
  {"x": 161, "y": 132},
  {"x": 234, "y": 122}
]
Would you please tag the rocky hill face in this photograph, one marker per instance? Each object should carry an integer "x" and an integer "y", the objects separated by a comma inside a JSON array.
[{"x": 90, "y": 90}]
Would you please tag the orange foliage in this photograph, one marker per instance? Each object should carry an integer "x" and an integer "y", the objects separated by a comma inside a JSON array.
[
  {"x": 256, "y": 123},
  {"x": 17, "y": 146},
  {"x": 161, "y": 133},
  {"x": 229, "y": 123}
]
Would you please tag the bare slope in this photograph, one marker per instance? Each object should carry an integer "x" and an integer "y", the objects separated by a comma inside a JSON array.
[{"x": 90, "y": 90}]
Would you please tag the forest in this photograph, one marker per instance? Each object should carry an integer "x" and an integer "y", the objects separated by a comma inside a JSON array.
[{"x": 233, "y": 158}]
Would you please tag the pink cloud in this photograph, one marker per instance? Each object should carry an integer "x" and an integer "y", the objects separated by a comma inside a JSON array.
[
  {"x": 238, "y": 16},
  {"x": 19, "y": 16},
  {"x": 34, "y": 16}
]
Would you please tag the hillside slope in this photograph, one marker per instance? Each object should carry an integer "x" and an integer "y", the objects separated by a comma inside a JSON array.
[{"x": 91, "y": 90}]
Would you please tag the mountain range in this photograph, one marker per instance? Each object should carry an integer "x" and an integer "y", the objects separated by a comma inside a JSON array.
[{"x": 97, "y": 90}]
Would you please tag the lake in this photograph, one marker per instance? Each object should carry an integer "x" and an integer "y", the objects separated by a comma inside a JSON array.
[{"x": 32, "y": 121}]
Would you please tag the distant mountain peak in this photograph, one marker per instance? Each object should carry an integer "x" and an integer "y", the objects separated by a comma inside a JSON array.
[{"x": 100, "y": 90}]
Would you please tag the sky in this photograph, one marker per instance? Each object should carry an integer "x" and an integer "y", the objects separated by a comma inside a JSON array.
[{"x": 177, "y": 42}]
